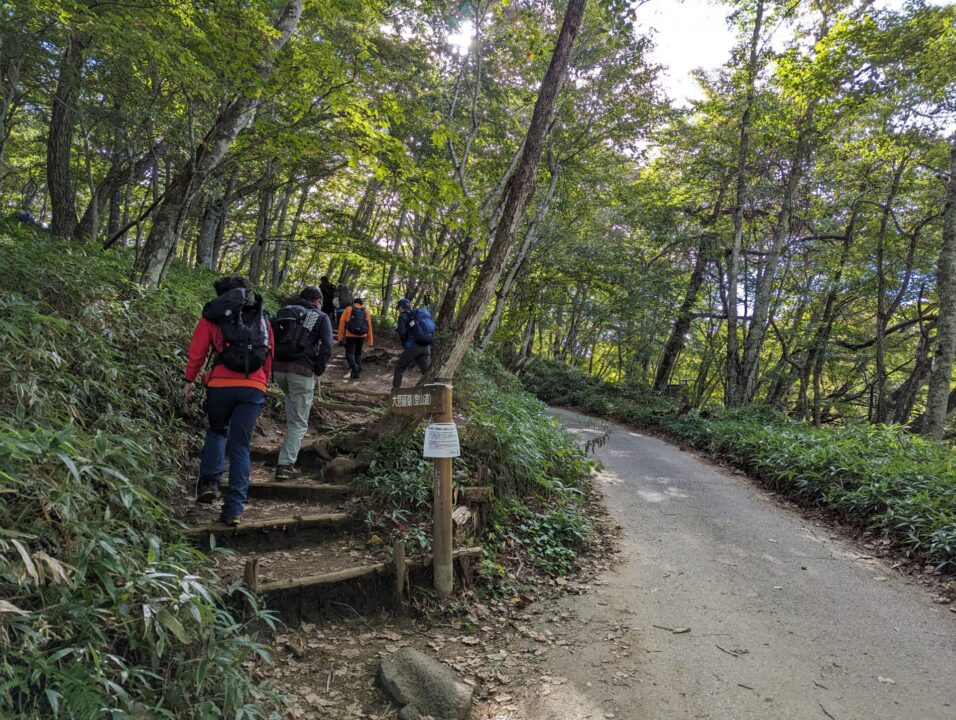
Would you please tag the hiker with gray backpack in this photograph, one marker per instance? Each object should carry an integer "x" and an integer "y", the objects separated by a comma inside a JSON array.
[
  {"x": 303, "y": 342},
  {"x": 416, "y": 331},
  {"x": 234, "y": 330}
]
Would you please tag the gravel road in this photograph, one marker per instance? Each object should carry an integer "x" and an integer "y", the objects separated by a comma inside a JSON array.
[{"x": 779, "y": 618}]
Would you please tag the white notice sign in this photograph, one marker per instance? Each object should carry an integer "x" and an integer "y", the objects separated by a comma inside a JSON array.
[{"x": 441, "y": 441}]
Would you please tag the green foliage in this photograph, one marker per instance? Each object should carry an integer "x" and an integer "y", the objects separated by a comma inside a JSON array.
[
  {"x": 552, "y": 538},
  {"x": 399, "y": 477},
  {"x": 531, "y": 463},
  {"x": 511, "y": 434},
  {"x": 105, "y": 613},
  {"x": 878, "y": 477}
]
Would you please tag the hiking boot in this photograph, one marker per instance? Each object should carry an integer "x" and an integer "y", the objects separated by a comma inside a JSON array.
[
  {"x": 230, "y": 520},
  {"x": 287, "y": 472},
  {"x": 206, "y": 490}
]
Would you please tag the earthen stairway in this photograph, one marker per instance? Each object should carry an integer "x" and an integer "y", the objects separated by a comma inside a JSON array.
[{"x": 304, "y": 544}]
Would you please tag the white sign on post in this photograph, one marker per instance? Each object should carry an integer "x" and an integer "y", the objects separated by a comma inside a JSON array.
[{"x": 441, "y": 441}]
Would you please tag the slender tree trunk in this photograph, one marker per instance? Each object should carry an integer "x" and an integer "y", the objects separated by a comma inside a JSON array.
[
  {"x": 746, "y": 381},
  {"x": 940, "y": 376},
  {"x": 60, "y": 140},
  {"x": 389, "y": 289},
  {"x": 451, "y": 349},
  {"x": 227, "y": 200},
  {"x": 732, "y": 392},
  {"x": 530, "y": 238},
  {"x": 167, "y": 224},
  {"x": 518, "y": 190},
  {"x": 119, "y": 174},
  {"x": 293, "y": 232},
  {"x": 882, "y": 313},
  {"x": 816, "y": 357},
  {"x": 675, "y": 342}
]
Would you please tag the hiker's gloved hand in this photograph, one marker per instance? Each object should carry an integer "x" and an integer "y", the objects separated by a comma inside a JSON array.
[{"x": 188, "y": 389}]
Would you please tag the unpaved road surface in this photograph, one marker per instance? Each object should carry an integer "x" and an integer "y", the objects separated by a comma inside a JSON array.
[{"x": 784, "y": 620}]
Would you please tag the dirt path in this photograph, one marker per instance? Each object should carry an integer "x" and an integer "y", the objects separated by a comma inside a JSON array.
[{"x": 785, "y": 621}]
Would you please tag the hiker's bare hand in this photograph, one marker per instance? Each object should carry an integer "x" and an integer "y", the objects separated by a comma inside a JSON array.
[{"x": 188, "y": 389}]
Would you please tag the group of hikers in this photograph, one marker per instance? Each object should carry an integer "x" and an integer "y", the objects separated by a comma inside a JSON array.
[{"x": 245, "y": 348}]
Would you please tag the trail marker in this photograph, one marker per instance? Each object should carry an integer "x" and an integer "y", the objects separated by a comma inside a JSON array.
[{"x": 441, "y": 444}]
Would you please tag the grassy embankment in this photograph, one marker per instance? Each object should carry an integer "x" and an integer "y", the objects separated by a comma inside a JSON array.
[
  {"x": 878, "y": 478},
  {"x": 105, "y": 611}
]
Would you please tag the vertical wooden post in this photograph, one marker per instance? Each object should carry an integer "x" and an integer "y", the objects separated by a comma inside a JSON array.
[
  {"x": 442, "y": 536},
  {"x": 250, "y": 574},
  {"x": 398, "y": 562}
]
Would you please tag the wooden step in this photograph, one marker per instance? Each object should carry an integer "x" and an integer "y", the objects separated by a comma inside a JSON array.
[
  {"x": 288, "y": 525},
  {"x": 358, "y": 571},
  {"x": 294, "y": 490}
]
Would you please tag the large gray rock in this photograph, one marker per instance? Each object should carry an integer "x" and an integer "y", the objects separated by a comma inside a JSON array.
[
  {"x": 340, "y": 470},
  {"x": 424, "y": 686}
]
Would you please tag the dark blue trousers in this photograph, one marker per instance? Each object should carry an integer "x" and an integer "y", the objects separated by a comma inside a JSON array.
[{"x": 232, "y": 413}]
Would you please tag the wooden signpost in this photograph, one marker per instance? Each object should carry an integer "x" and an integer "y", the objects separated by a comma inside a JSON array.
[{"x": 441, "y": 444}]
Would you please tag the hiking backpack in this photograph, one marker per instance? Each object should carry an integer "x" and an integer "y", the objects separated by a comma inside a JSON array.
[
  {"x": 292, "y": 331},
  {"x": 423, "y": 327},
  {"x": 245, "y": 331},
  {"x": 358, "y": 322}
]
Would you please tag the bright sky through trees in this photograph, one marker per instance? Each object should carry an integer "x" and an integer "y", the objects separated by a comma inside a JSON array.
[{"x": 691, "y": 34}]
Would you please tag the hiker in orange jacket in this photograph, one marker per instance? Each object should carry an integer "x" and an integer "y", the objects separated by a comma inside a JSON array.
[{"x": 355, "y": 326}]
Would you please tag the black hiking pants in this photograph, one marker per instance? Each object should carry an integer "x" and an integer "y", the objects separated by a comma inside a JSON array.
[
  {"x": 353, "y": 354},
  {"x": 420, "y": 355}
]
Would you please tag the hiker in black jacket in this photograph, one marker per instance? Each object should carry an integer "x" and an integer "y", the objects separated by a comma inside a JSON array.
[
  {"x": 328, "y": 296},
  {"x": 303, "y": 347}
]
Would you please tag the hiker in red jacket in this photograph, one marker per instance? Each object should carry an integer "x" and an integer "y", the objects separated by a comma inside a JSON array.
[{"x": 234, "y": 330}]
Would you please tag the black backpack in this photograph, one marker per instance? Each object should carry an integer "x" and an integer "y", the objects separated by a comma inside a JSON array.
[
  {"x": 245, "y": 331},
  {"x": 292, "y": 329},
  {"x": 358, "y": 322}
]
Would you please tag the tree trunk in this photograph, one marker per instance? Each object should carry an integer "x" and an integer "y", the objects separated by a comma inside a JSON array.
[
  {"x": 746, "y": 381},
  {"x": 118, "y": 175},
  {"x": 227, "y": 200},
  {"x": 939, "y": 379},
  {"x": 167, "y": 225},
  {"x": 389, "y": 288},
  {"x": 882, "y": 313},
  {"x": 675, "y": 342},
  {"x": 60, "y": 140},
  {"x": 530, "y": 238},
  {"x": 733, "y": 261},
  {"x": 518, "y": 190},
  {"x": 451, "y": 349}
]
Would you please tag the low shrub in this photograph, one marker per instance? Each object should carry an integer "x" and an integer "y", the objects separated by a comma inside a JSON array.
[
  {"x": 531, "y": 463},
  {"x": 104, "y": 611}
]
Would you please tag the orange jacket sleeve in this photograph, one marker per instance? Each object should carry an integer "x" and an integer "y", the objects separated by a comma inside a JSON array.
[{"x": 371, "y": 340}]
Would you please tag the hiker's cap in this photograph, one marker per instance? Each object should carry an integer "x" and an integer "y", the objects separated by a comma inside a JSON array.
[
  {"x": 404, "y": 303},
  {"x": 358, "y": 301}
]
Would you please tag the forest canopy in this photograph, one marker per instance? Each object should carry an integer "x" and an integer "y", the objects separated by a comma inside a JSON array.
[{"x": 788, "y": 238}]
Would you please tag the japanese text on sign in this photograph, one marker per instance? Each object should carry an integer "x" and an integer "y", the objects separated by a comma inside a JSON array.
[
  {"x": 403, "y": 401},
  {"x": 441, "y": 441}
]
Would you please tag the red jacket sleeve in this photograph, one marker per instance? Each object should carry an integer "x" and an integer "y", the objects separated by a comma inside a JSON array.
[{"x": 198, "y": 349}]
